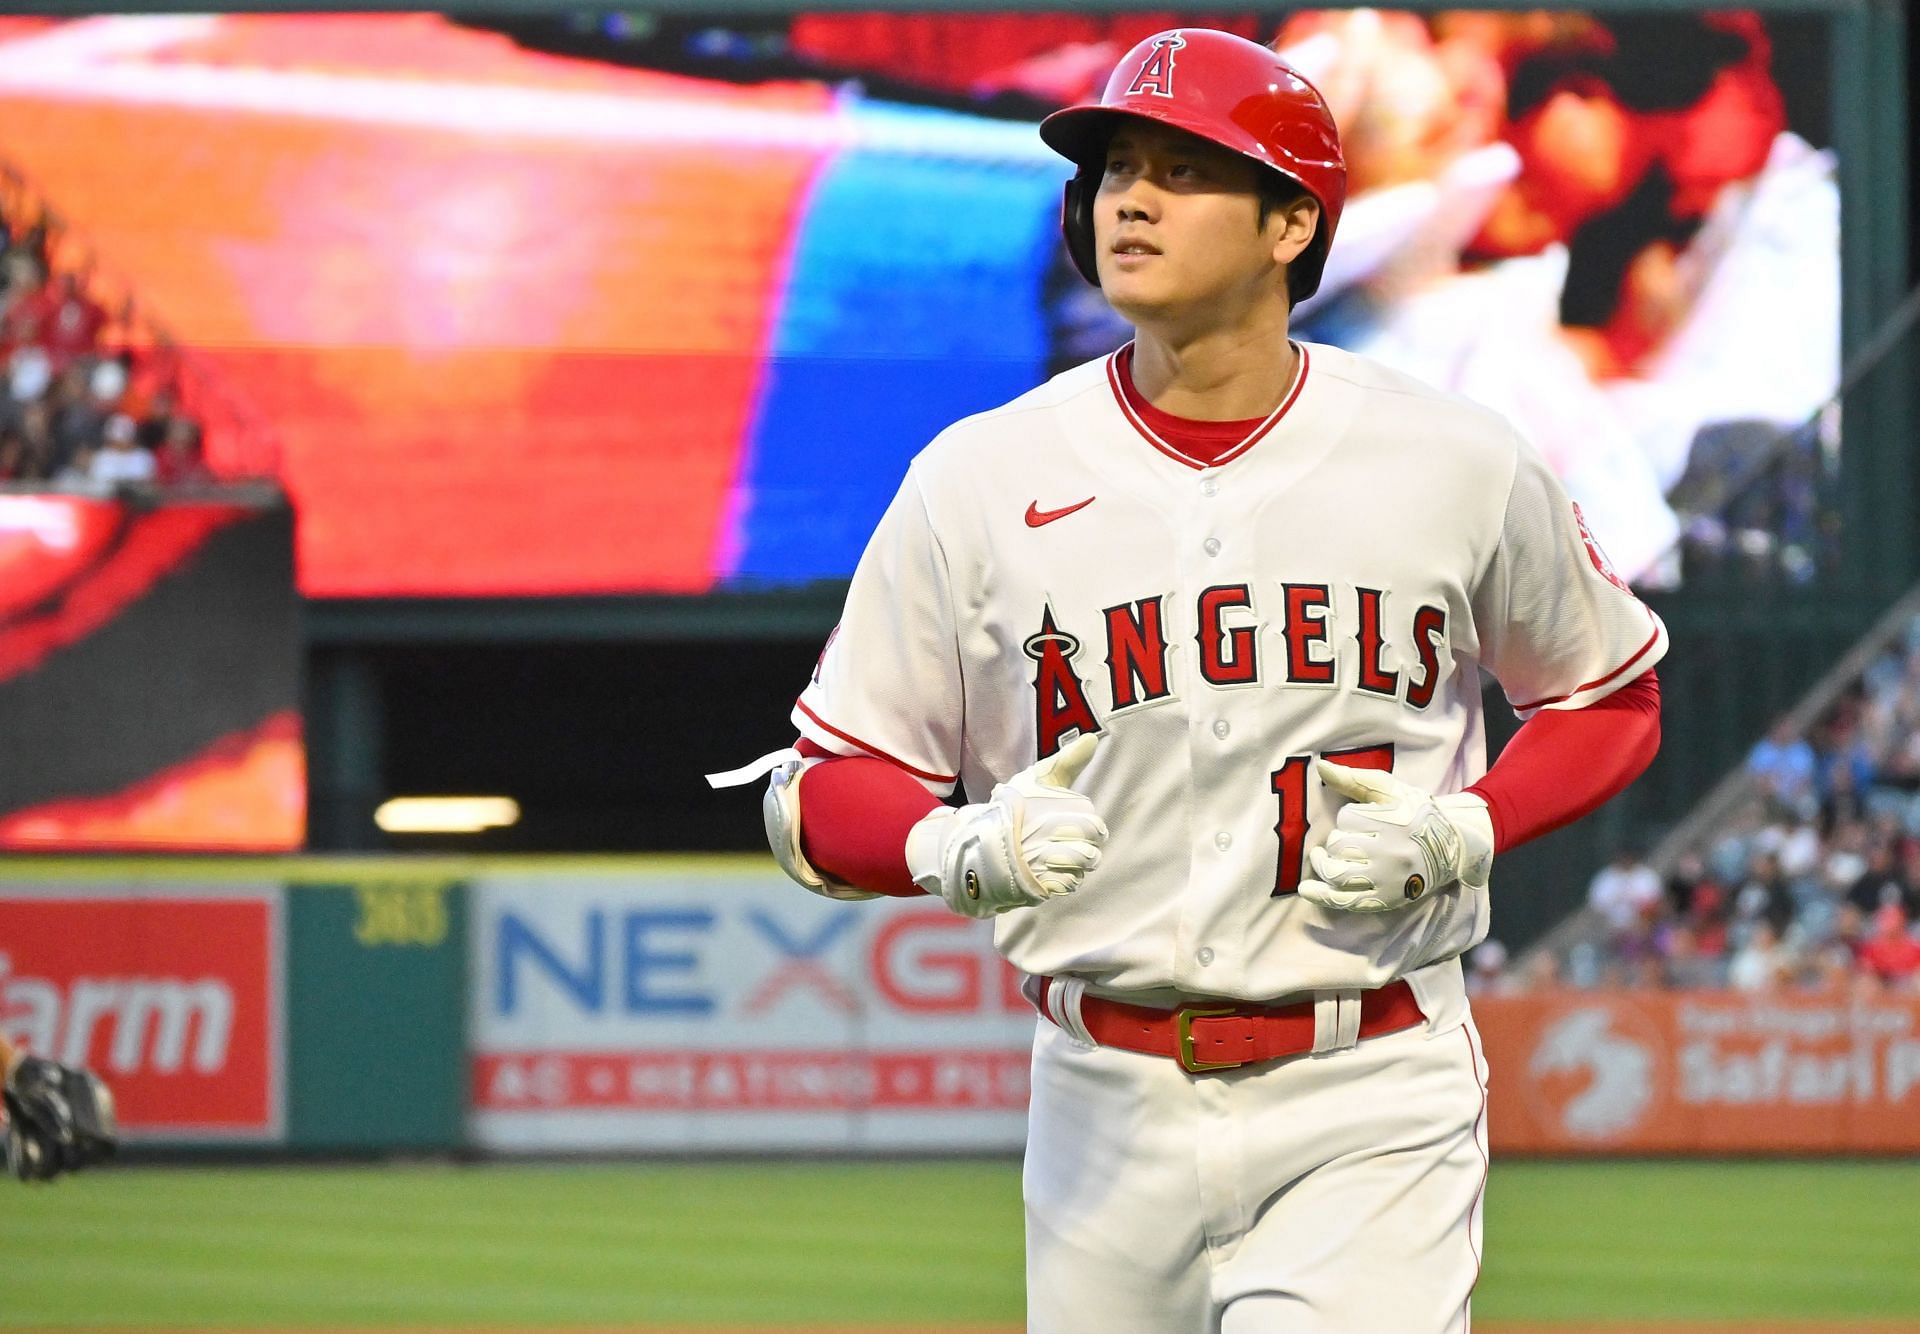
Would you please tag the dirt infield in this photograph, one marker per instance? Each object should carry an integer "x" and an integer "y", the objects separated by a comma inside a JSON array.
[
  {"x": 1480, "y": 1327},
  {"x": 1698, "y": 1327}
]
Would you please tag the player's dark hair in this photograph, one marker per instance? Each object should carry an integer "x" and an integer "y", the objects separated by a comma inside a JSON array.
[{"x": 1277, "y": 194}]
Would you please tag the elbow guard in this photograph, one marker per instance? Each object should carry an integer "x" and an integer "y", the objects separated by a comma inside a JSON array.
[{"x": 780, "y": 810}]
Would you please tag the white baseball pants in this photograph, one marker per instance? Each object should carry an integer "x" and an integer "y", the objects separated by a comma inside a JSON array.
[{"x": 1329, "y": 1194}]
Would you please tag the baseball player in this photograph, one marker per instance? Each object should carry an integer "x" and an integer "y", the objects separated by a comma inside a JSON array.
[
  {"x": 1197, "y": 629},
  {"x": 58, "y": 1119}
]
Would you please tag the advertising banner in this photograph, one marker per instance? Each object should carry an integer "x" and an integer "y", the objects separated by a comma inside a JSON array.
[
  {"x": 705, "y": 1009},
  {"x": 376, "y": 1005},
  {"x": 1702, "y": 1072},
  {"x": 171, "y": 996}
]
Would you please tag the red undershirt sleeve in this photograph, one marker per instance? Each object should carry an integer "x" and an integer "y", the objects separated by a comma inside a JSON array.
[
  {"x": 1564, "y": 763},
  {"x": 854, "y": 816}
]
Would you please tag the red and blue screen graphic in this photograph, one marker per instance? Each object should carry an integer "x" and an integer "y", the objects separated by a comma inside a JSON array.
[
  {"x": 525, "y": 325},
  {"x": 512, "y": 319}
]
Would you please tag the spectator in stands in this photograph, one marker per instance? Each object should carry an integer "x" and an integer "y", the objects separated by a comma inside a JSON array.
[
  {"x": 1693, "y": 944},
  {"x": 36, "y": 436},
  {"x": 162, "y": 412},
  {"x": 21, "y": 277},
  {"x": 1687, "y": 966},
  {"x": 1843, "y": 767},
  {"x": 61, "y": 382},
  {"x": 1763, "y": 897},
  {"x": 1830, "y": 844},
  {"x": 1829, "y": 968},
  {"x": 14, "y": 464},
  {"x": 1487, "y": 970},
  {"x": 1900, "y": 771},
  {"x": 178, "y": 461},
  {"x": 1845, "y": 858},
  {"x": 1795, "y": 847},
  {"x": 1759, "y": 964},
  {"x": 71, "y": 323},
  {"x": 1843, "y": 794},
  {"x": 1690, "y": 874},
  {"x": 1881, "y": 883},
  {"x": 1783, "y": 764},
  {"x": 107, "y": 382},
  {"x": 1891, "y": 953},
  {"x": 1707, "y": 918},
  {"x": 1541, "y": 972},
  {"x": 29, "y": 374},
  {"x": 77, "y": 473},
  {"x": 1627, "y": 894},
  {"x": 121, "y": 459},
  {"x": 78, "y": 419},
  {"x": 1818, "y": 898}
]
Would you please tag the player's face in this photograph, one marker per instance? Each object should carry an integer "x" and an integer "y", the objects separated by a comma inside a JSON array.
[{"x": 1177, "y": 229}]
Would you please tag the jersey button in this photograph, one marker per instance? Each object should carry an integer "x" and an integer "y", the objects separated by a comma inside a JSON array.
[
  {"x": 1209, "y": 488},
  {"x": 1211, "y": 546},
  {"x": 1223, "y": 840},
  {"x": 1221, "y": 727},
  {"x": 1204, "y": 955}
]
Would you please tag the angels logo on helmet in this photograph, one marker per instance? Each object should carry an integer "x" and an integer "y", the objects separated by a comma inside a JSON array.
[{"x": 1156, "y": 72}]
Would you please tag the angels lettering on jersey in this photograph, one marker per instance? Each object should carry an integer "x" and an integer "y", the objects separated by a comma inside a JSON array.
[{"x": 1135, "y": 644}]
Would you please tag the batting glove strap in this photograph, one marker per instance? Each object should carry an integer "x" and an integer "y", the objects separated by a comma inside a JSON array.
[
  {"x": 966, "y": 857},
  {"x": 1468, "y": 814},
  {"x": 1397, "y": 843},
  {"x": 1034, "y": 840}
]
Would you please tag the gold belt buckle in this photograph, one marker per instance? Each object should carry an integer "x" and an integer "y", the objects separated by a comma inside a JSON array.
[{"x": 1183, "y": 1033}]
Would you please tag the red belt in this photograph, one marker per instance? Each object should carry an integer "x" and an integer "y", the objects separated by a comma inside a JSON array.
[{"x": 1222, "y": 1037}]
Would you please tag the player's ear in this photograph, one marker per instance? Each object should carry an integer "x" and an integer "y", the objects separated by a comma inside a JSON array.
[{"x": 1293, "y": 226}]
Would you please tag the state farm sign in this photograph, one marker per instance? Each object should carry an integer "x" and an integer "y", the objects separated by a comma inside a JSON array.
[{"x": 172, "y": 1000}]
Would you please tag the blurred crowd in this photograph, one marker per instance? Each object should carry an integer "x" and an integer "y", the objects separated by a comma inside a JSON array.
[
  {"x": 79, "y": 408},
  {"x": 1814, "y": 884}
]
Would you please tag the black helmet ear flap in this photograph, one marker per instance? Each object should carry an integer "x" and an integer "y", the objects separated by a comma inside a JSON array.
[
  {"x": 1076, "y": 223},
  {"x": 1303, "y": 275}
]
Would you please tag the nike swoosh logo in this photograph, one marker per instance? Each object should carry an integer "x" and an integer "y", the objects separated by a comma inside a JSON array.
[{"x": 1036, "y": 516}]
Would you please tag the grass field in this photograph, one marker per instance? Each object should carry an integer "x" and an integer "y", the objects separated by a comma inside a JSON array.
[{"x": 1744, "y": 1244}]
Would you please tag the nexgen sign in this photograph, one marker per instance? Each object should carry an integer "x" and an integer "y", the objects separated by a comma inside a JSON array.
[
  {"x": 173, "y": 1001},
  {"x": 673, "y": 1007}
]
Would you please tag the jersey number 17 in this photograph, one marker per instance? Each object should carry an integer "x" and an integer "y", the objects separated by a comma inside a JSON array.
[{"x": 1290, "y": 785}]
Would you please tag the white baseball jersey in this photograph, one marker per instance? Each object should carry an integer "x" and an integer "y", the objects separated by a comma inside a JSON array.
[{"x": 1329, "y": 588}]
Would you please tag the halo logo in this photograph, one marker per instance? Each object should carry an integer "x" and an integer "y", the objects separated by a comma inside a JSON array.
[
  {"x": 1595, "y": 1083},
  {"x": 1596, "y": 555}
]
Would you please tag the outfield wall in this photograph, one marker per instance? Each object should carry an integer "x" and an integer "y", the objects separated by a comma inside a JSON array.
[
  {"x": 1702, "y": 1072},
  {"x": 705, "y": 1005}
]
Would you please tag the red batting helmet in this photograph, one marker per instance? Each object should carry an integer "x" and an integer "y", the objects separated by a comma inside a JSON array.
[{"x": 1228, "y": 90}]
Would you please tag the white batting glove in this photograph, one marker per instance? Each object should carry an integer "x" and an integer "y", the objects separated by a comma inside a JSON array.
[
  {"x": 1397, "y": 843},
  {"x": 1034, "y": 840}
]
